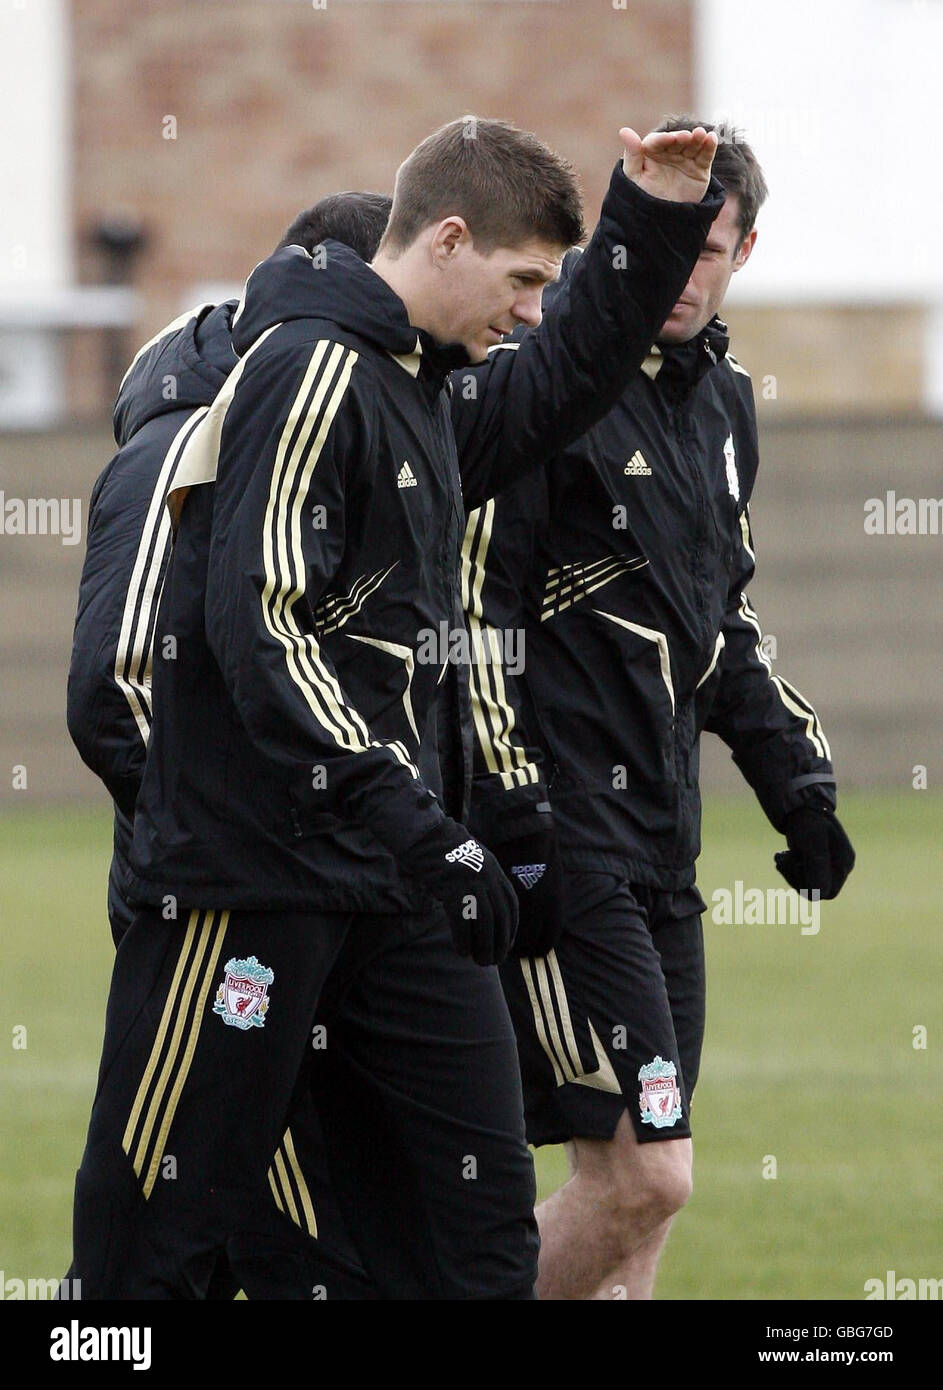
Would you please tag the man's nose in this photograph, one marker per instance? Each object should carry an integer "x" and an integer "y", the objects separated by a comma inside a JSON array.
[{"x": 527, "y": 306}]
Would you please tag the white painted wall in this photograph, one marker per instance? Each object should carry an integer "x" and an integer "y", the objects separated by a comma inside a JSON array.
[
  {"x": 841, "y": 100},
  {"x": 35, "y": 213},
  {"x": 35, "y": 210}
]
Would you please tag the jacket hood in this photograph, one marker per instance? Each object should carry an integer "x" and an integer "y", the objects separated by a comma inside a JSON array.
[
  {"x": 335, "y": 285},
  {"x": 338, "y": 286},
  {"x": 183, "y": 367}
]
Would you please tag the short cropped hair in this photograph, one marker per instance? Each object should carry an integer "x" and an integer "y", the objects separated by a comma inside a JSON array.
[
  {"x": 735, "y": 166},
  {"x": 357, "y": 219},
  {"x": 506, "y": 184}
]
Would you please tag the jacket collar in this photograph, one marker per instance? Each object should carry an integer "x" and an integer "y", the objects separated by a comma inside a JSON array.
[
  {"x": 337, "y": 286},
  {"x": 439, "y": 360},
  {"x": 680, "y": 366}
]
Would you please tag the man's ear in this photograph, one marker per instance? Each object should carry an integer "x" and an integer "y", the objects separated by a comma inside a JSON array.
[
  {"x": 744, "y": 249},
  {"x": 447, "y": 237}
]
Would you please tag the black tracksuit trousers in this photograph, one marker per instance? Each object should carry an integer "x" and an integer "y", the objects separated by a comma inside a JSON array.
[{"x": 214, "y": 1023}]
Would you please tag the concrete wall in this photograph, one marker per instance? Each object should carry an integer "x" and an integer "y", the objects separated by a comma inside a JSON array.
[
  {"x": 856, "y": 617},
  {"x": 832, "y": 360}
]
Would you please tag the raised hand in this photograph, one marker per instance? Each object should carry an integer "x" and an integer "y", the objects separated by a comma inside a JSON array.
[{"x": 670, "y": 164}]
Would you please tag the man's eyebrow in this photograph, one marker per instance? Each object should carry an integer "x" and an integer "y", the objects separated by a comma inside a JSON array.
[{"x": 540, "y": 276}]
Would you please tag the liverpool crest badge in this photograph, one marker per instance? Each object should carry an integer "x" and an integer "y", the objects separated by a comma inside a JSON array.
[
  {"x": 659, "y": 1099},
  {"x": 242, "y": 998}
]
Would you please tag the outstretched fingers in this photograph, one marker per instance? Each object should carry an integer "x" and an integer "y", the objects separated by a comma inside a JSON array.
[
  {"x": 632, "y": 159},
  {"x": 681, "y": 147}
]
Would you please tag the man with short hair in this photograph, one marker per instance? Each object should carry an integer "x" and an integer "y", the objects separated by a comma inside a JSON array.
[
  {"x": 297, "y": 1242},
  {"x": 626, "y": 563},
  {"x": 165, "y": 392},
  {"x": 299, "y": 809},
  {"x": 357, "y": 219}
]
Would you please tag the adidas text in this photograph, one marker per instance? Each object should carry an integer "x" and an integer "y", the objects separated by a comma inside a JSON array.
[
  {"x": 470, "y": 854},
  {"x": 529, "y": 874},
  {"x": 637, "y": 467}
]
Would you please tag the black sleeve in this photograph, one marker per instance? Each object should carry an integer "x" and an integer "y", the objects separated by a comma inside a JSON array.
[
  {"x": 510, "y": 781},
  {"x": 108, "y": 707},
  {"x": 774, "y": 733},
  {"x": 266, "y": 572},
  {"x": 533, "y": 397}
]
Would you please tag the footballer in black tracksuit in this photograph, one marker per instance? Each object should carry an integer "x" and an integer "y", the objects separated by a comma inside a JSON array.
[
  {"x": 164, "y": 395},
  {"x": 294, "y": 825},
  {"x": 626, "y": 562}
]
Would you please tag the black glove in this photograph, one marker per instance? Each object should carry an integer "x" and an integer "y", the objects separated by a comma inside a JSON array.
[
  {"x": 820, "y": 856},
  {"x": 467, "y": 880},
  {"x": 532, "y": 864}
]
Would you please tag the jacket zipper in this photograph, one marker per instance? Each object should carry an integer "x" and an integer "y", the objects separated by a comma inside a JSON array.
[{"x": 679, "y": 421}]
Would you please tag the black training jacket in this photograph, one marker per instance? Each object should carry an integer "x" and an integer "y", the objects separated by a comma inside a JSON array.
[
  {"x": 296, "y": 745},
  {"x": 626, "y": 564},
  {"x": 164, "y": 394}
]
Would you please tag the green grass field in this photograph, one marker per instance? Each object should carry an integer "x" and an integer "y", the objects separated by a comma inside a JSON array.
[{"x": 809, "y": 1058}]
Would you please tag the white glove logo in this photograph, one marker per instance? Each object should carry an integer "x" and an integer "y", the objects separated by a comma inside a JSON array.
[{"x": 470, "y": 854}]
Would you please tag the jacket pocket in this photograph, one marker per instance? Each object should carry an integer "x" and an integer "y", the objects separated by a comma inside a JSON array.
[
  {"x": 301, "y": 822},
  {"x": 707, "y": 685}
]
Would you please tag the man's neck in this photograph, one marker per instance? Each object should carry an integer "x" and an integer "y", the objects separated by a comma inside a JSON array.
[{"x": 399, "y": 274}]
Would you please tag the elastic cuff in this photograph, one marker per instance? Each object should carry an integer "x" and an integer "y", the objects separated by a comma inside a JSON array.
[
  {"x": 406, "y": 819},
  {"x": 621, "y": 186}
]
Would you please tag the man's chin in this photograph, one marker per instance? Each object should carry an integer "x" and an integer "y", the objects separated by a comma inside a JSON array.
[
  {"x": 675, "y": 333},
  {"x": 492, "y": 338}
]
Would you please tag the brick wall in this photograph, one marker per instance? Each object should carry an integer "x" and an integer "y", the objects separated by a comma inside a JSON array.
[{"x": 277, "y": 103}]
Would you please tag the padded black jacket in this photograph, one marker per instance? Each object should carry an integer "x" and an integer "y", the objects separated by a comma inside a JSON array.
[
  {"x": 295, "y": 747},
  {"x": 626, "y": 564},
  {"x": 164, "y": 394}
]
